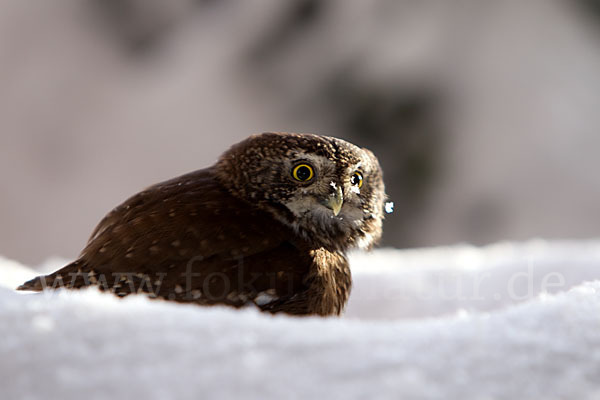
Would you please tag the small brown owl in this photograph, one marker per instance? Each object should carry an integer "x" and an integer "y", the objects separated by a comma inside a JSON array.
[{"x": 269, "y": 224}]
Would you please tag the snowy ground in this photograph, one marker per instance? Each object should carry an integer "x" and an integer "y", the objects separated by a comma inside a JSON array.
[{"x": 508, "y": 321}]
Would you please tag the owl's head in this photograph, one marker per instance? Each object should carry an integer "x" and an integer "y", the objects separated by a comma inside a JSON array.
[{"x": 329, "y": 191}]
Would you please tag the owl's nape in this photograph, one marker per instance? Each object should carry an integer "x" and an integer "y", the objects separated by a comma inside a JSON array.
[{"x": 267, "y": 225}]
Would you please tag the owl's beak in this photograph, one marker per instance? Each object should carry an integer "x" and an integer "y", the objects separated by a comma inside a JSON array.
[{"x": 335, "y": 201}]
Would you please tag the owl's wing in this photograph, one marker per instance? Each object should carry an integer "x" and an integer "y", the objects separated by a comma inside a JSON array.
[{"x": 188, "y": 239}]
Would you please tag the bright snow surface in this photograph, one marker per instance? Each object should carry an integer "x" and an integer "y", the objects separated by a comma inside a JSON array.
[{"x": 508, "y": 321}]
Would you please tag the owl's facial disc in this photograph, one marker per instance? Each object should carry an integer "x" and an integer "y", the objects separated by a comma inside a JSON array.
[
  {"x": 310, "y": 174},
  {"x": 326, "y": 202},
  {"x": 326, "y": 199}
]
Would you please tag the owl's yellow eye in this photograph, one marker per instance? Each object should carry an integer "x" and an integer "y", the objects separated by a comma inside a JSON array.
[
  {"x": 303, "y": 172},
  {"x": 356, "y": 179}
]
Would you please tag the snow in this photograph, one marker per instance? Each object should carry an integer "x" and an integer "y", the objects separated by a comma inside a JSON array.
[
  {"x": 389, "y": 207},
  {"x": 507, "y": 321}
]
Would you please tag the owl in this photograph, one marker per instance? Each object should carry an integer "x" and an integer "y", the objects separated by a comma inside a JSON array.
[{"x": 269, "y": 225}]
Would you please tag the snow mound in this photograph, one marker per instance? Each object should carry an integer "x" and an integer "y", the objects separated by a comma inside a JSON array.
[
  {"x": 447, "y": 280},
  {"x": 402, "y": 336}
]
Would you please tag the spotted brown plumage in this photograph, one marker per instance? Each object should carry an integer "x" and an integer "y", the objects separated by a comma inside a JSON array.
[{"x": 268, "y": 224}]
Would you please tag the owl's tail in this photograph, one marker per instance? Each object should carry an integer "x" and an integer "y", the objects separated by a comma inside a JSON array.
[{"x": 56, "y": 280}]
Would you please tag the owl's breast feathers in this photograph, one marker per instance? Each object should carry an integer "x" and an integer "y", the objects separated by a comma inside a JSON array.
[{"x": 189, "y": 240}]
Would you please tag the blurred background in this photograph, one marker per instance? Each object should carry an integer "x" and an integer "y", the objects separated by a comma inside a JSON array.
[{"x": 484, "y": 115}]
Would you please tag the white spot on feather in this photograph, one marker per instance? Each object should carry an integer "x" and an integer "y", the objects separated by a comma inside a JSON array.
[{"x": 263, "y": 298}]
